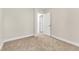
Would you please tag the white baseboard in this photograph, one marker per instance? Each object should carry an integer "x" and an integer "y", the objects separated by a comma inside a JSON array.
[
  {"x": 59, "y": 38},
  {"x": 65, "y": 40},
  {"x": 1, "y": 45},
  {"x": 15, "y": 38}
]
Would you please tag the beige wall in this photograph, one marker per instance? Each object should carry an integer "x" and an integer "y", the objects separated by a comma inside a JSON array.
[
  {"x": 66, "y": 24},
  {"x": 60, "y": 16},
  {"x": 17, "y": 22},
  {"x": 74, "y": 24},
  {"x": 0, "y": 24}
]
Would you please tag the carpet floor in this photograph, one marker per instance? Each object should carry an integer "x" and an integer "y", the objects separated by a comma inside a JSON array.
[{"x": 38, "y": 43}]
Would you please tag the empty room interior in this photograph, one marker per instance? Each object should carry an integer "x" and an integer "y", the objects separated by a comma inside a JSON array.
[{"x": 39, "y": 29}]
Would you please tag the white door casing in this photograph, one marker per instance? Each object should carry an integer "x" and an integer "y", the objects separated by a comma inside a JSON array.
[{"x": 47, "y": 29}]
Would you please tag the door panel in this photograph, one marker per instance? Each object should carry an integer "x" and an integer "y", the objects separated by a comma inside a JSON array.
[{"x": 46, "y": 24}]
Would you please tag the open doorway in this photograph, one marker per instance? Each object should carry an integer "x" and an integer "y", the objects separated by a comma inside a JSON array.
[{"x": 43, "y": 22}]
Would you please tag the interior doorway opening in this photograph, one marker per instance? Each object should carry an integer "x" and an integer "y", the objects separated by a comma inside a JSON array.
[{"x": 43, "y": 21}]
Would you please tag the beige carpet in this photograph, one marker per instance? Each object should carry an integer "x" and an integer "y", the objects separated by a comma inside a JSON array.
[{"x": 38, "y": 43}]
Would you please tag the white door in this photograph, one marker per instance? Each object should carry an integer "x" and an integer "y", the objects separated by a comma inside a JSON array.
[
  {"x": 46, "y": 24},
  {"x": 42, "y": 23}
]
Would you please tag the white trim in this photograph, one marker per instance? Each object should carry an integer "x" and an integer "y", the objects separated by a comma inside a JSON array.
[
  {"x": 1, "y": 45},
  {"x": 58, "y": 38},
  {"x": 15, "y": 38},
  {"x": 65, "y": 40}
]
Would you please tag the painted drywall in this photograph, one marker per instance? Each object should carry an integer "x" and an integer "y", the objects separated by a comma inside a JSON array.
[
  {"x": 17, "y": 22},
  {"x": 36, "y": 16},
  {"x": 66, "y": 24},
  {"x": 1, "y": 24},
  {"x": 73, "y": 21}
]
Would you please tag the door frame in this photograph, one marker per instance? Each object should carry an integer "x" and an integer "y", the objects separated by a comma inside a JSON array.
[{"x": 35, "y": 21}]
